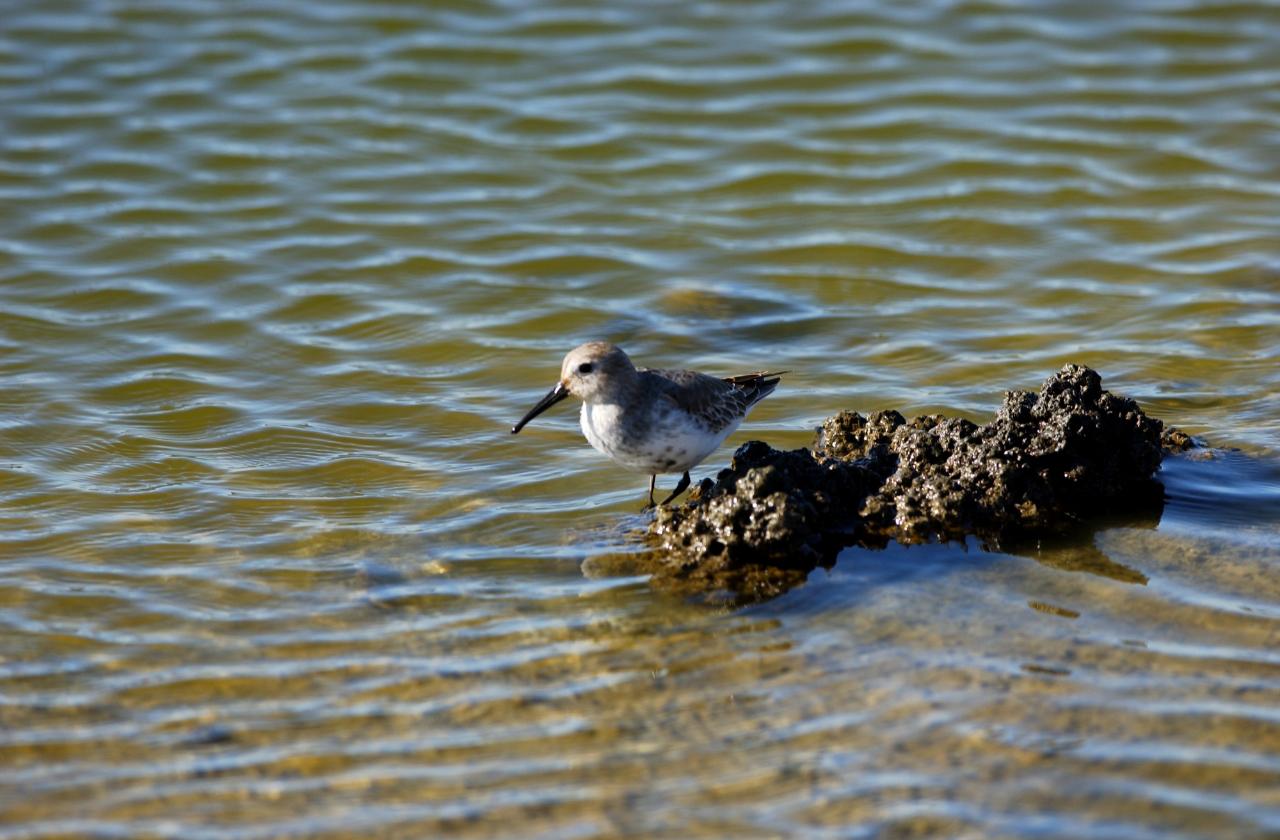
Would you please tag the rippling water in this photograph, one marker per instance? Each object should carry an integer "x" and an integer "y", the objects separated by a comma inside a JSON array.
[{"x": 275, "y": 279}]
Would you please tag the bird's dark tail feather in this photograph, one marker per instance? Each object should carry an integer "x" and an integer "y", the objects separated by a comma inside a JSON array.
[{"x": 757, "y": 385}]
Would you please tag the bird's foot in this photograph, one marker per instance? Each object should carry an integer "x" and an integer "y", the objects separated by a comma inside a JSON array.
[{"x": 680, "y": 488}]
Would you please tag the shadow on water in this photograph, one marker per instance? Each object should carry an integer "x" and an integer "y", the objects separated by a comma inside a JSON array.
[
  {"x": 865, "y": 567},
  {"x": 859, "y": 570}
]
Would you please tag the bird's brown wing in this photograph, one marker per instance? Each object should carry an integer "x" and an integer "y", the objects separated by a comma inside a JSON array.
[{"x": 716, "y": 402}]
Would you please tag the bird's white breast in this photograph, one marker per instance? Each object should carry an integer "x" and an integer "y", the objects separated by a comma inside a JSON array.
[
  {"x": 670, "y": 443},
  {"x": 602, "y": 426}
]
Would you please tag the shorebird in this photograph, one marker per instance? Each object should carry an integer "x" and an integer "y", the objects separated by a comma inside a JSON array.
[{"x": 652, "y": 421}]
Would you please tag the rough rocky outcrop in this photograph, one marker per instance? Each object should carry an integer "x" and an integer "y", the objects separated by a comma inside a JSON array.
[
  {"x": 765, "y": 522},
  {"x": 1045, "y": 462}
]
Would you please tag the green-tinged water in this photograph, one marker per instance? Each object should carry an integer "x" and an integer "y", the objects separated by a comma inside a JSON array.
[{"x": 276, "y": 278}]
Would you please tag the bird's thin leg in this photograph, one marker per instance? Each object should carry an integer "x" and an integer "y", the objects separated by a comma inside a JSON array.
[
  {"x": 652, "y": 480},
  {"x": 680, "y": 488}
]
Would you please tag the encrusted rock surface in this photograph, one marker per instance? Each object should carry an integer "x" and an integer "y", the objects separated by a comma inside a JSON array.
[
  {"x": 764, "y": 523},
  {"x": 1045, "y": 462}
]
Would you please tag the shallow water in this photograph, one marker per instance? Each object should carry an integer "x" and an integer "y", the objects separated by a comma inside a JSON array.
[{"x": 276, "y": 278}]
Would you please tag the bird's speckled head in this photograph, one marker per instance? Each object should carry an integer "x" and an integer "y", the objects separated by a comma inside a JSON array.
[{"x": 597, "y": 371}]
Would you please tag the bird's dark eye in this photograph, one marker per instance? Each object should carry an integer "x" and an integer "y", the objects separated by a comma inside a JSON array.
[{"x": 585, "y": 367}]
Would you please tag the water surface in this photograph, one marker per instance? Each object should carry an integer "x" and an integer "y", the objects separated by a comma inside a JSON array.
[{"x": 276, "y": 278}]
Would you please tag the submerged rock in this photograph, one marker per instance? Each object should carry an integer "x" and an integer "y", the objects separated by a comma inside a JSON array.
[{"x": 1045, "y": 462}]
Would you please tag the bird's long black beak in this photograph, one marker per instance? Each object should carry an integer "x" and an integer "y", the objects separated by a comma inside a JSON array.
[{"x": 553, "y": 396}]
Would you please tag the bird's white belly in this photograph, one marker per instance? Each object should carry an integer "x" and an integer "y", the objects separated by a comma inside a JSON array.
[{"x": 670, "y": 443}]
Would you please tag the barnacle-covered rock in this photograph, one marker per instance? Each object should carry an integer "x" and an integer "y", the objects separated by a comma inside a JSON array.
[{"x": 1045, "y": 462}]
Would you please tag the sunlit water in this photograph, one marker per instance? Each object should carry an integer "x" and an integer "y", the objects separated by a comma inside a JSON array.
[{"x": 276, "y": 278}]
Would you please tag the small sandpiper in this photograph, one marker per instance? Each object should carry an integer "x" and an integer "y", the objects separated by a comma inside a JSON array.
[{"x": 652, "y": 421}]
